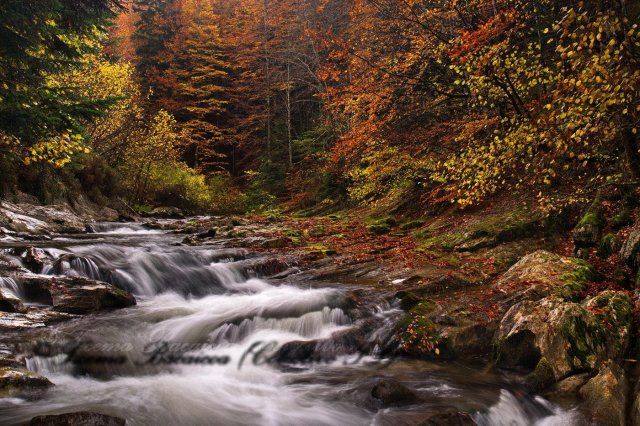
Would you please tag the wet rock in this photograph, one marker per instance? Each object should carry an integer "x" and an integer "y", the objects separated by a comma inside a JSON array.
[
  {"x": 78, "y": 295},
  {"x": 211, "y": 233},
  {"x": 80, "y": 418},
  {"x": 34, "y": 259},
  {"x": 605, "y": 395},
  {"x": 569, "y": 337},
  {"x": 453, "y": 418},
  {"x": 74, "y": 295},
  {"x": 468, "y": 339},
  {"x": 390, "y": 392},
  {"x": 10, "y": 302},
  {"x": 15, "y": 381},
  {"x": 32, "y": 319},
  {"x": 323, "y": 350}
]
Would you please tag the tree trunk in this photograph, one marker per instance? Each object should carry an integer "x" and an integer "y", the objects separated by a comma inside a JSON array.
[{"x": 289, "y": 142}]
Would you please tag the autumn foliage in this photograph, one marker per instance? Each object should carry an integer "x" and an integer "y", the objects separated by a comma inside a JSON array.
[{"x": 359, "y": 101}]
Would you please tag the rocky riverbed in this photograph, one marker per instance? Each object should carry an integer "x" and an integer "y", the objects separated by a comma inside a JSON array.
[{"x": 431, "y": 343}]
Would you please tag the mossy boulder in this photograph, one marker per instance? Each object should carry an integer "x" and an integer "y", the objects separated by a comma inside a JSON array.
[
  {"x": 486, "y": 232},
  {"x": 609, "y": 245},
  {"x": 16, "y": 381},
  {"x": 542, "y": 273},
  {"x": 571, "y": 337},
  {"x": 630, "y": 251},
  {"x": 605, "y": 395}
]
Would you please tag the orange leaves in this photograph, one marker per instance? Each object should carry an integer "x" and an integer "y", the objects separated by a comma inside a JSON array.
[{"x": 470, "y": 42}]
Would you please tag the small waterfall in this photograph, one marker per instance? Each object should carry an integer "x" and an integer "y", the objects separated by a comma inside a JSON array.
[
  {"x": 11, "y": 286},
  {"x": 310, "y": 325},
  {"x": 120, "y": 228},
  {"x": 152, "y": 270},
  {"x": 523, "y": 410}
]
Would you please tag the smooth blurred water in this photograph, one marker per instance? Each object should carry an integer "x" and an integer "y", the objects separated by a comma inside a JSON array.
[{"x": 211, "y": 303}]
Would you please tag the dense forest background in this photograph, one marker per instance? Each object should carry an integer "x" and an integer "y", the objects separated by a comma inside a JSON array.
[{"x": 242, "y": 105}]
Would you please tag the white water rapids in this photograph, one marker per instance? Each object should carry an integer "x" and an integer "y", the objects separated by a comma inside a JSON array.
[{"x": 211, "y": 303}]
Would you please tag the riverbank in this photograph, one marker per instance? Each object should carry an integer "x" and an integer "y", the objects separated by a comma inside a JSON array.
[{"x": 491, "y": 288}]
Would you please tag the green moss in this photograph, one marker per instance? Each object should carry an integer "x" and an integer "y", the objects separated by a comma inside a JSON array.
[
  {"x": 379, "y": 229},
  {"x": 381, "y": 226},
  {"x": 293, "y": 233},
  {"x": 590, "y": 333},
  {"x": 575, "y": 281},
  {"x": 541, "y": 377},
  {"x": 327, "y": 251},
  {"x": 622, "y": 219},
  {"x": 591, "y": 218},
  {"x": 583, "y": 337},
  {"x": 421, "y": 309},
  {"x": 412, "y": 224},
  {"x": 609, "y": 244},
  {"x": 421, "y": 234}
]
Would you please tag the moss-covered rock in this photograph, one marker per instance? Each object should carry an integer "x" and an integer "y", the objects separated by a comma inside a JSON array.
[
  {"x": 542, "y": 273},
  {"x": 541, "y": 377},
  {"x": 605, "y": 395},
  {"x": 630, "y": 251},
  {"x": 15, "y": 381},
  {"x": 609, "y": 244},
  {"x": 571, "y": 337}
]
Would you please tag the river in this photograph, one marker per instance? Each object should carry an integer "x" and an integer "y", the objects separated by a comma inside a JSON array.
[{"x": 195, "y": 348}]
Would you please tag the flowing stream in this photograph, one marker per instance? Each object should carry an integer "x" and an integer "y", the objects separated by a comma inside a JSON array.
[{"x": 190, "y": 352}]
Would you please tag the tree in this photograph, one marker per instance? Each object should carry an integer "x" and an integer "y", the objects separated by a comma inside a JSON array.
[
  {"x": 40, "y": 39},
  {"x": 199, "y": 68}
]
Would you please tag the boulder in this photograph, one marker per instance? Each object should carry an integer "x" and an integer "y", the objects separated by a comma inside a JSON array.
[
  {"x": 80, "y": 418},
  {"x": 630, "y": 250},
  {"x": 32, "y": 258},
  {"x": 605, "y": 395},
  {"x": 210, "y": 233},
  {"x": 79, "y": 295},
  {"x": 74, "y": 295},
  {"x": 566, "y": 338},
  {"x": 391, "y": 392},
  {"x": 609, "y": 245},
  {"x": 540, "y": 274},
  {"x": 9, "y": 302},
  {"x": 586, "y": 235},
  {"x": 569, "y": 386},
  {"x": 16, "y": 381},
  {"x": 35, "y": 318}
]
